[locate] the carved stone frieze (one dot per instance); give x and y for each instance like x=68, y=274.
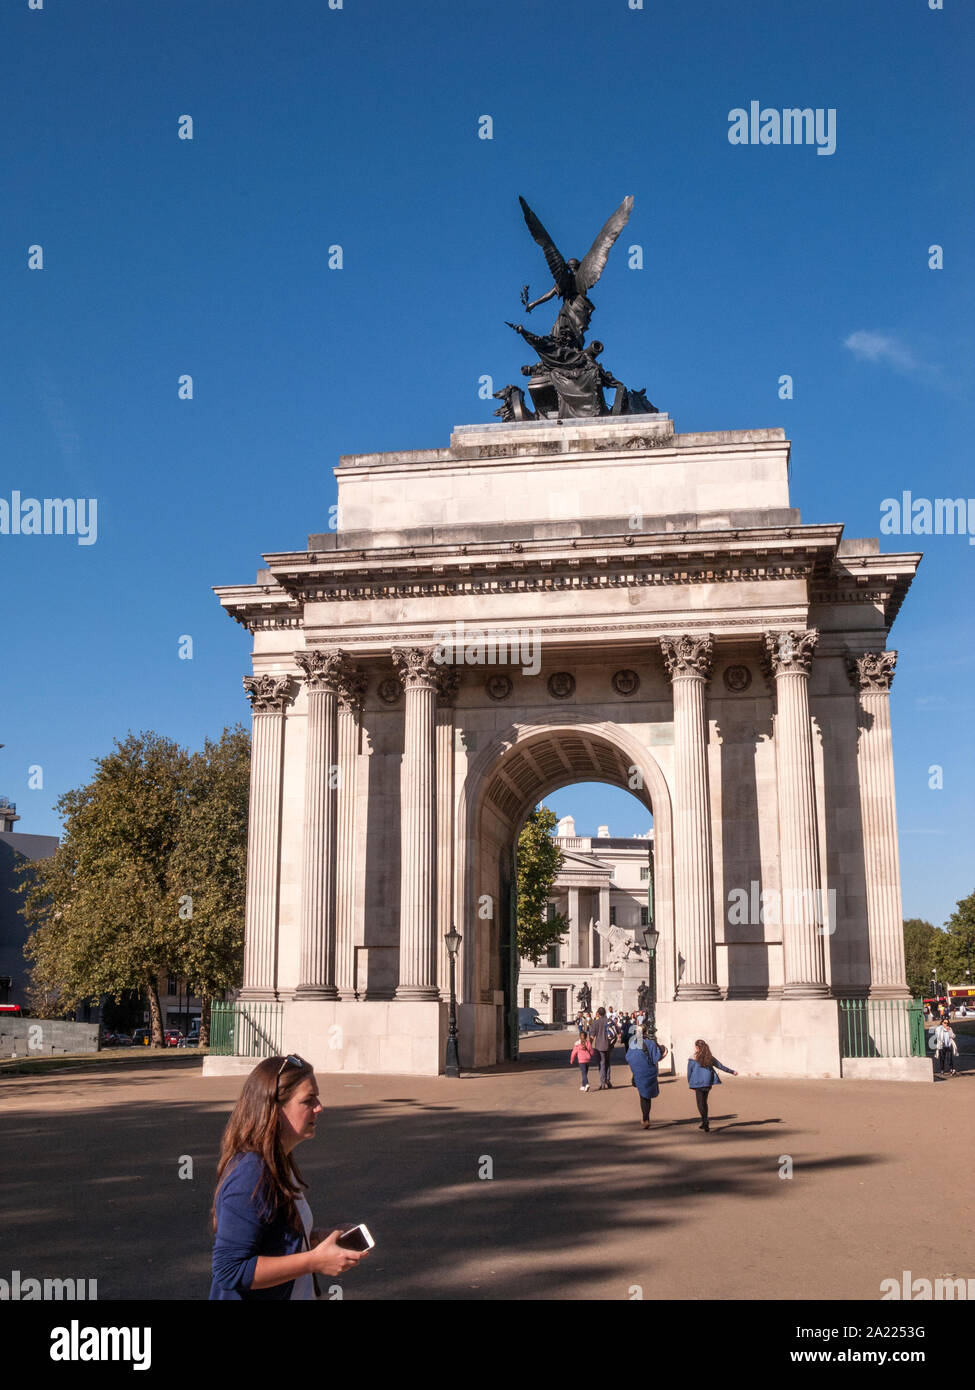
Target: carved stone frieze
x=626, y=682
x=270, y=694
x=872, y=670
x=543, y=583
x=561, y=684
x=390, y=690
x=498, y=686
x=688, y=655
x=737, y=679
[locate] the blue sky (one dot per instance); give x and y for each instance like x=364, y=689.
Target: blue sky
x=358, y=127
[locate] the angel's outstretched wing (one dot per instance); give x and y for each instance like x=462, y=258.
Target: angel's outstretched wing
x=594, y=264
x=561, y=273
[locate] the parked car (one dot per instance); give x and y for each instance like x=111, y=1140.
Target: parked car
x=192, y=1039
x=122, y=1040
x=141, y=1037
x=109, y=1038
x=171, y=1037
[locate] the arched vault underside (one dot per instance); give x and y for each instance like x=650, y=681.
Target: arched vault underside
x=516, y=771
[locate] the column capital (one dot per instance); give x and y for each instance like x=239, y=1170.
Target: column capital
x=417, y=668
x=448, y=680
x=324, y=668
x=352, y=684
x=270, y=694
x=688, y=655
x=872, y=670
x=791, y=652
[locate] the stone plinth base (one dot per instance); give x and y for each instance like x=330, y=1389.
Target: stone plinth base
x=756, y=1037
x=888, y=1068
x=384, y=1037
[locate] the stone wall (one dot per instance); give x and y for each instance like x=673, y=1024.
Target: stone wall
x=45, y=1037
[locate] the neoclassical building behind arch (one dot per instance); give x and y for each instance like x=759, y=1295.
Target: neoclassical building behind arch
x=629, y=605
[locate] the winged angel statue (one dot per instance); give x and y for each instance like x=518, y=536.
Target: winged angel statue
x=567, y=380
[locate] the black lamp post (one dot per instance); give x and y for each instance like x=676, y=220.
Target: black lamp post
x=452, y=939
x=650, y=940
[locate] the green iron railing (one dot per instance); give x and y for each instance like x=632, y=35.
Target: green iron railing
x=246, y=1030
x=882, y=1028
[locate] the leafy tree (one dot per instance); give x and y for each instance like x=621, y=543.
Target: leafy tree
x=103, y=904
x=208, y=872
x=954, y=950
x=148, y=879
x=919, y=946
x=539, y=860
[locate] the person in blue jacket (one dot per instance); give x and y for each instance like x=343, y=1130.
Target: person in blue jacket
x=701, y=1076
x=265, y=1246
x=644, y=1055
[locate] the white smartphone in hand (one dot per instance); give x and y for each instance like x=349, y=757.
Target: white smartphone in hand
x=358, y=1238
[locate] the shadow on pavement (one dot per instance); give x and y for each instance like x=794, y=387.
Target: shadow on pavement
x=98, y=1193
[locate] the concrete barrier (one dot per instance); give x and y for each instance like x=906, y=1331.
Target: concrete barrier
x=45, y=1037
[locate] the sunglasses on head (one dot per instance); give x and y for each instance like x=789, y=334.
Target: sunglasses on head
x=292, y=1060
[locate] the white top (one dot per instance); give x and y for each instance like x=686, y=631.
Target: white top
x=305, y=1286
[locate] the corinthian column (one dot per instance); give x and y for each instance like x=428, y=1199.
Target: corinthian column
x=872, y=675
x=352, y=688
x=789, y=657
x=316, y=950
x=448, y=683
x=269, y=697
x=688, y=660
x=418, y=828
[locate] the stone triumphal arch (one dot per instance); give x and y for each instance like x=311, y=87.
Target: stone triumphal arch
x=546, y=602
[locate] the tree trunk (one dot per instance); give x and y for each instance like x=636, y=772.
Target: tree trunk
x=205, y=1020
x=155, y=1013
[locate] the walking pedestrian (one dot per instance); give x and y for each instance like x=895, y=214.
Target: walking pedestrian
x=265, y=1246
x=644, y=1055
x=701, y=1076
x=602, y=1038
x=582, y=1054
x=946, y=1047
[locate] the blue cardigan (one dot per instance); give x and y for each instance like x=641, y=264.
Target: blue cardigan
x=244, y=1231
x=702, y=1078
x=644, y=1057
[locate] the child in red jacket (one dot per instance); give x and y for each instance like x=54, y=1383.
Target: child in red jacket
x=582, y=1053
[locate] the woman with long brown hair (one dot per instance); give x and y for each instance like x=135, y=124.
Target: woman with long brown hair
x=265, y=1247
x=702, y=1074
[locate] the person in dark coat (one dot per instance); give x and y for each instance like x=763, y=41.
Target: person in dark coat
x=644, y=1055
x=701, y=1076
x=602, y=1036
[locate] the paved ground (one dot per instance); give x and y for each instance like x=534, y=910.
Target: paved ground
x=583, y=1203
